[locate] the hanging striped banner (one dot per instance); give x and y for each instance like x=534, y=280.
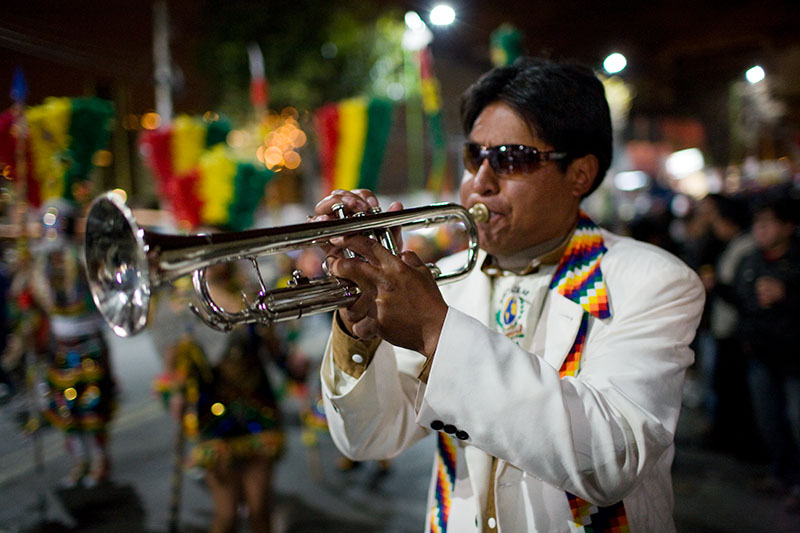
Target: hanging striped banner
x=199, y=179
x=352, y=137
x=63, y=136
x=432, y=106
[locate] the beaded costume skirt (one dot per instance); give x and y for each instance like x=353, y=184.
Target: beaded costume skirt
x=231, y=411
x=81, y=388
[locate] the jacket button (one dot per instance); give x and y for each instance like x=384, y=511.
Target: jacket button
x=462, y=435
x=449, y=429
x=437, y=425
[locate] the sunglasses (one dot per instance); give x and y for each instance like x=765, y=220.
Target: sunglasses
x=507, y=159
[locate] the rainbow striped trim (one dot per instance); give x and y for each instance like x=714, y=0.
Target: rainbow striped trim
x=445, y=480
x=587, y=517
x=592, y=519
x=578, y=276
x=573, y=361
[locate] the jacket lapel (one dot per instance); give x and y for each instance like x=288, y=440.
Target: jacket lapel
x=472, y=295
x=562, y=320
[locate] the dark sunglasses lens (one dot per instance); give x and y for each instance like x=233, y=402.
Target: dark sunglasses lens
x=513, y=159
x=506, y=159
x=472, y=157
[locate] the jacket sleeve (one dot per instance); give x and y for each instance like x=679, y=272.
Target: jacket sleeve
x=595, y=434
x=373, y=416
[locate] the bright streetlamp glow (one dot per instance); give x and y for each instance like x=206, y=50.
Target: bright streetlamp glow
x=442, y=15
x=414, y=22
x=417, y=35
x=755, y=74
x=615, y=63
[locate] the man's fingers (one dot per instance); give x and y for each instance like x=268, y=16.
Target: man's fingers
x=411, y=259
x=372, y=250
x=397, y=232
x=368, y=196
x=395, y=206
x=360, y=272
x=355, y=201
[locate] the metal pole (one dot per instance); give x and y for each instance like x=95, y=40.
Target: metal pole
x=161, y=61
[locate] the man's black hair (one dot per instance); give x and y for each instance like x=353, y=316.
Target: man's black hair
x=564, y=104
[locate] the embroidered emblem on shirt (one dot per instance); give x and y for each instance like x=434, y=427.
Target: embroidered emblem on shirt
x=511, y=311
x=509, y=316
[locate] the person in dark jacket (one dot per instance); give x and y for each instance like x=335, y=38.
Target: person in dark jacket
x=767, y=286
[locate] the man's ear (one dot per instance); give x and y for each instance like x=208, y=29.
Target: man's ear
x=582, y=172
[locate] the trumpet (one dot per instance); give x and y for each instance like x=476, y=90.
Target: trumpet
x=126, y=263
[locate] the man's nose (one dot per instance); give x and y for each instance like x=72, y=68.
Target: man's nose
x=486, y=181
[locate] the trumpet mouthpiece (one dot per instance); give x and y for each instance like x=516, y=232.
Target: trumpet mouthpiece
x=479, y=212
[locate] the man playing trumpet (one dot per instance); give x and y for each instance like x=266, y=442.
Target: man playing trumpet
x=551, y=375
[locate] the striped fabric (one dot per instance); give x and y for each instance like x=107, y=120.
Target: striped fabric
x=445, y=481
x=57, y=156
x=578, y=277
x=352, y=136
x=198, y=176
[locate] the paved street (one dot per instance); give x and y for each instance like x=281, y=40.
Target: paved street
x=713, y=492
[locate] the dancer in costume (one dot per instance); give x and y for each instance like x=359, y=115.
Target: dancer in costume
x=81, y=385
x=218, y=384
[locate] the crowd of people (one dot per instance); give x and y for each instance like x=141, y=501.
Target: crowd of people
x=746, y=251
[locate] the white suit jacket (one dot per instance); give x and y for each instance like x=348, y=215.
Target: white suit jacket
x=605, y=435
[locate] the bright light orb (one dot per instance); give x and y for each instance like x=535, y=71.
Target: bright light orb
x=631, y=180
x=442, y=15
x=414, y=22
x=684, y=162
x=755, y=74
x=615, y=63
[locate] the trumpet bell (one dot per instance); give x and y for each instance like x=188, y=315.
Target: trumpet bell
x=116, y=265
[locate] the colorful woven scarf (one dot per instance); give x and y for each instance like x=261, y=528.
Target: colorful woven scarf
x=578, y=277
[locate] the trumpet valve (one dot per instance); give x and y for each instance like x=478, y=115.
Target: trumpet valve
x=297, y=279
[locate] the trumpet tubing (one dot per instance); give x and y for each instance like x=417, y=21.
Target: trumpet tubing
x=126, y=263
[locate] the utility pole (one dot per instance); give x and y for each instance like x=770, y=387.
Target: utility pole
x=161, y=61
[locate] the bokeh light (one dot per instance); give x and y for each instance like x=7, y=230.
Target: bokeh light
x=442, y=15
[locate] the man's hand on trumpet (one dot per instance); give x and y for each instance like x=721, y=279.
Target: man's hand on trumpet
x=400, y=300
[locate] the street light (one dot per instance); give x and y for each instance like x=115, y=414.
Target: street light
x=417, y=35
x=615, y=63
x=755, y=74
x=442, y=15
